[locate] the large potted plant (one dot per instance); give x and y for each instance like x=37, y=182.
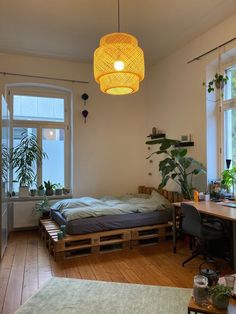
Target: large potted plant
x=176, y=165
x=25, y=158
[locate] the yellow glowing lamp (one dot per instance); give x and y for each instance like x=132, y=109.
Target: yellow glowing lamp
x=118, y=64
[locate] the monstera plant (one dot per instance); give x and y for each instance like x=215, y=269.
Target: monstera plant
x=176, y=165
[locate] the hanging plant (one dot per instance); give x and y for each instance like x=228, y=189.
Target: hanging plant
x=218, y=82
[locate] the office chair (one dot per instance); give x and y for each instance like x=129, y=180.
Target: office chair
x=193, y=225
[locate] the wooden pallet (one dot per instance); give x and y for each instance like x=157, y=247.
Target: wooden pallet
x=76, y=245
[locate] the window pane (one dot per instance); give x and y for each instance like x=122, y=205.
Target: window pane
x=230, y=87
x=17, y=136
x=53, y=145
x=38, y=108
x=230, y=136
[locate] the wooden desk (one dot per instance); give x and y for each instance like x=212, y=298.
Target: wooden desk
x=211, y=209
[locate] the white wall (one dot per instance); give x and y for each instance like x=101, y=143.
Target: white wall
x=108, y=151
x=176, y=97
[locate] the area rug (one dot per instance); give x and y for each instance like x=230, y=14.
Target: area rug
x=62, y=295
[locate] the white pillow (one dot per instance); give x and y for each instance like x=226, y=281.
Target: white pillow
x=161, y=201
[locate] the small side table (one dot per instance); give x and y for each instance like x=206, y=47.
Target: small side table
x=210, y=309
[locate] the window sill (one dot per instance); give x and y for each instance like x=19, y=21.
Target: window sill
x=37, y=198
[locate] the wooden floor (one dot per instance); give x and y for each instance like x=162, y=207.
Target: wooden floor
x=26, y=266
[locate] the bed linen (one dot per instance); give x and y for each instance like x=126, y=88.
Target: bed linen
x=88, y=215
x=88, y=207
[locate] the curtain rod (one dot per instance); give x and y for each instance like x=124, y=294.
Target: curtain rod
x=206, y=53
x=44, y=77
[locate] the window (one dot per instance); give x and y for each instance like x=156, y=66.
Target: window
x=45, y=114
x=229, y=117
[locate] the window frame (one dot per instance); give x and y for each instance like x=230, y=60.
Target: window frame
x=225, y=105
x=39, y=125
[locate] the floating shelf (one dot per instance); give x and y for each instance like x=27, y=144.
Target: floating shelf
x=184, y=144
x=160, y=135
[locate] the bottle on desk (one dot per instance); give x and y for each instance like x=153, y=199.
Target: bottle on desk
x=196, y=196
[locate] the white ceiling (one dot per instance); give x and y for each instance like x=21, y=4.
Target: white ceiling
x=71, y=29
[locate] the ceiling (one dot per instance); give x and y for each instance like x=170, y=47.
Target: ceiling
x=71, y=29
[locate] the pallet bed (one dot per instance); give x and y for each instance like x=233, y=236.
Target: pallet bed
x=92, y=243
x=77, y=245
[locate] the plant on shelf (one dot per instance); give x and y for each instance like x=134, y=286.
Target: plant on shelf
x=43, y=208
x=24, y=159
x=176, y=165
x=41, y=190
x=220, y=295
x=218, y=82
x=229, y=179
x=49, y=188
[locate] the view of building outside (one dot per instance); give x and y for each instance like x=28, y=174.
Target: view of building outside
x=230, y=118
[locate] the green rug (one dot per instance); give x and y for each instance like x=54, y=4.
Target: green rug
x=62, y=295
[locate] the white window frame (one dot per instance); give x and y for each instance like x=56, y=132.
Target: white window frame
x=225, y=105
x=39, y=125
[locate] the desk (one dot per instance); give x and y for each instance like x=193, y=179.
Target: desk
x=211, y=209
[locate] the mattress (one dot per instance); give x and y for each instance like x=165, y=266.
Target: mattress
x=112, y=222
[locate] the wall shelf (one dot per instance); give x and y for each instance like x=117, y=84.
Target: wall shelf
x=159, y=135
x=184, y=144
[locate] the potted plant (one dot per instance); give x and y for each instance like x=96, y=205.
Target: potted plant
x=49, y=188
x=229, y=179
x=33, y=192
x=43, y=208
x=40, y=190
x=24, y=159
x=177, y=166
x=58, y=189
x=220, y=295
x=218, y=82
x=66, y=190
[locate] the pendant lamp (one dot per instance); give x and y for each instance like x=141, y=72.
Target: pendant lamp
x=118, y=63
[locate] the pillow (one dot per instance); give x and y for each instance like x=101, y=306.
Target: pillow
x=161, y=201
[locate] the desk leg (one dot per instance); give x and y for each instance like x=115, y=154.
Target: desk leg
x=234, y=246
x=174, y=229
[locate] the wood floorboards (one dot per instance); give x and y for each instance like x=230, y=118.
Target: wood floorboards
x=27, y=265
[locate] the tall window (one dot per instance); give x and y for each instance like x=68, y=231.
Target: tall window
x=46, y=115
x=229, y=119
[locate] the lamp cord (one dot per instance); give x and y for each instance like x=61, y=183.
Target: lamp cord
x=118, y=14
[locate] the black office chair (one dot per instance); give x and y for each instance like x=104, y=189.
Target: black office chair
x=195, y=226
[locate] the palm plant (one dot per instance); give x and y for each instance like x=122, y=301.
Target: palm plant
x=25, y=157
x=176, y=166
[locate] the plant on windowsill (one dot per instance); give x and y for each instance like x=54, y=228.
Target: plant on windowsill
x=40, y=190
x=58, y=189
x=49, y=188
x=220, y=295
x=177, y=166
x=24, y=159
x=218, y=82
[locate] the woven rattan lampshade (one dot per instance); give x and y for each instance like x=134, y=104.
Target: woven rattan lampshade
x=118, y=64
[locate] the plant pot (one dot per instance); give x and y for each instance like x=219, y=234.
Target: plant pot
x=219, y=84
x=58, y=192
x=33, y=192
x=40, y=192
x=49, y=192
x=23, y=191
x=66, y=191
x=220, y=303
